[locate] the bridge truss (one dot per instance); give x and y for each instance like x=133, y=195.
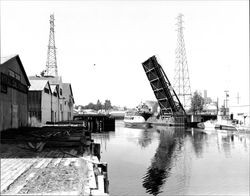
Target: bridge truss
x=169, y=102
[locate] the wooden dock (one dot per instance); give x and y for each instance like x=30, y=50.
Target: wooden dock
x=50, y=161
x=96, y=122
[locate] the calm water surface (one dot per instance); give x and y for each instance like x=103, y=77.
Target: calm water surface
x=172, y=161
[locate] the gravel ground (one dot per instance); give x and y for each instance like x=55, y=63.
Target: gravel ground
x=51, y=179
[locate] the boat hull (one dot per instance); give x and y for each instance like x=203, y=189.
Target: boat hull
x=206, y=125
x=170, y=121
x=136, y=125
x=225, y=127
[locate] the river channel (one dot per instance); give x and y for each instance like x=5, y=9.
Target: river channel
x=174, y=161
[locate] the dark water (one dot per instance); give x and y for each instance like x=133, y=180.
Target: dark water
x=172, y=161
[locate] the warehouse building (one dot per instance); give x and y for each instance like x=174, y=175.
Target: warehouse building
x=65, y=97
x=14, y=85
x=55, y=102
x=68, y=101
x=40, y=102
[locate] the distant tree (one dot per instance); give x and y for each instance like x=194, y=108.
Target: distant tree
x=89, y=106
x=155, y=107
x=43, y=73
x=208, y=100
x=98, y=105
x=197, y=103
x=107, y=105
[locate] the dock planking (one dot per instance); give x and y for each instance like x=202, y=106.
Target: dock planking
x=26, y=168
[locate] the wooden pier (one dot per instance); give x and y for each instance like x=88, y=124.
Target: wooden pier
x=51, y=160
x=96, y=122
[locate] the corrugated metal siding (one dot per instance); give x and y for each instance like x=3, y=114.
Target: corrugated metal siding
x=14, y=103
x=46, y=107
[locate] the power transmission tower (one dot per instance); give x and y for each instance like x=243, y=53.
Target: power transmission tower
x=181, y=79
x=51, y=64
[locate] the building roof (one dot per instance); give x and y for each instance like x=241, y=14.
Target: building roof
x=53, y=87
x=16, y=57
x=51, y=79
x=38, y=85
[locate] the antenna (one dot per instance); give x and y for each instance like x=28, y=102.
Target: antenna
x=51, y=64
x=181, y=79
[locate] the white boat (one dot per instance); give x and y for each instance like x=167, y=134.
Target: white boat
x=137, y=117
x=225, y=124
x=208, y=125
x=168, y=121
x=132, y=119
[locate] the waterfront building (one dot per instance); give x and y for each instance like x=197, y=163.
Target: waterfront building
x=14, y=85
x=240, y=112
x=40, y=102
x=55, y=103
x=68, y=101
x=210, y=108
x=65, y=96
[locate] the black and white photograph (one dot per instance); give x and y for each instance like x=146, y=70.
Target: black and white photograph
x=124, y=98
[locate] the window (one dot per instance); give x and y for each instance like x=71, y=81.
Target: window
x=60, y=91
x=14, y=75
x=9, y=81
x=4, y=88
x=55, y=94
x=17, y=76
x=46, y=90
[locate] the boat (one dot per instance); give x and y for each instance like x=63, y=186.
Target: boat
x=207, y=125
x=176, y=121
x=225, y=124
x=226, y=127
x=138, y=117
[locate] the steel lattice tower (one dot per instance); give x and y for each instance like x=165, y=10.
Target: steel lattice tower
x=181, y=79
x=51, y=64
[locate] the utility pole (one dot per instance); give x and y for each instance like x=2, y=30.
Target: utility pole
x=51, y=64
x=227, y=95
x=238, y=98
x=181, y=79
x=217, y=105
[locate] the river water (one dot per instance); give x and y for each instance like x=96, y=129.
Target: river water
x=174, y=161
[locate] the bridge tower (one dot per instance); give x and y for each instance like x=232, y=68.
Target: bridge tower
x=51, y=64
x=181, y=79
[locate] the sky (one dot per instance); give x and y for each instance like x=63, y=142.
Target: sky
x=117, y=36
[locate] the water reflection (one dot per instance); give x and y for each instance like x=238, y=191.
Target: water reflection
x=198, y=139
x=160, y=169
x=145, y=137
x=102, y=138
x=175, y=162
x=227, y=141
